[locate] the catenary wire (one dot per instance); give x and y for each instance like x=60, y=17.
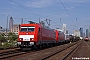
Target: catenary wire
x=67, y=13
x=26, y=8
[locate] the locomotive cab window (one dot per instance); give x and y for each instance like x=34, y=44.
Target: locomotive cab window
x=25, y=29
x=31, y=28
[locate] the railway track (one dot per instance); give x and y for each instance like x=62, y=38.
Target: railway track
x=81, y=52
x=4, y=54
x=88, y=43
x=49, y=56
x=10, y=53
x=75, y=48
x=40, y=54
x=35, y=54
x=14, y=52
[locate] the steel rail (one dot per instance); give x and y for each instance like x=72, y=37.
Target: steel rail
x=57, y=52
x=71, y=51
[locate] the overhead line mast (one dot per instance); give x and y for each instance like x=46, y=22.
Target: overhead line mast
x=47, y=21
x=7, y=24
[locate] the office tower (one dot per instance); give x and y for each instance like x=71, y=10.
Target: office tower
x=81, y=32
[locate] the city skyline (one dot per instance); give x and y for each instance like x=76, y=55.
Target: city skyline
x=74, y=13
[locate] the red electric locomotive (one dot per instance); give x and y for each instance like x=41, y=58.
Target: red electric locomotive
x=31, y=35
x=60, y=37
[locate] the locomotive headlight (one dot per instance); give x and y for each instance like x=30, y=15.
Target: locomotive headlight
x=20, y=38
x=31, y=38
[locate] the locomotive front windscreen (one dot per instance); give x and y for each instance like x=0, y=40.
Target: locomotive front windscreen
x=27, y=29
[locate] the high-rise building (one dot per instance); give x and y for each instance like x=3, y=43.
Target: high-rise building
x=64, y=28
x=81, y=32
x=77, y=33
x=11, y=23
x=87, y=32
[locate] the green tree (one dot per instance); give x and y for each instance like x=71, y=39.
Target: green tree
x=12, y=37
x=2, y=38
x=8, y=41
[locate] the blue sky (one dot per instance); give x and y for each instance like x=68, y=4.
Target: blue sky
x=51, y=9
